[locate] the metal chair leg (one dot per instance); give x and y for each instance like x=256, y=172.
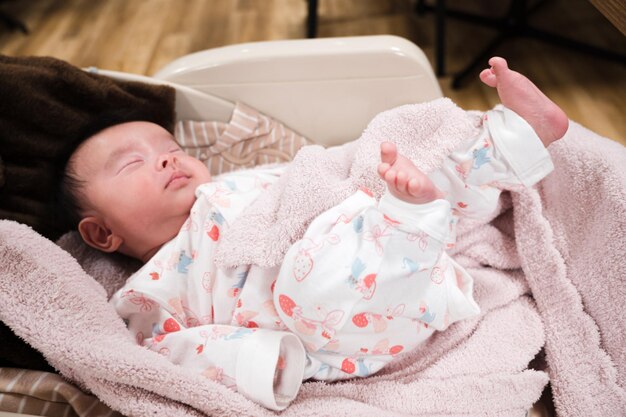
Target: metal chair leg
x=13, y=23
x=312, y=19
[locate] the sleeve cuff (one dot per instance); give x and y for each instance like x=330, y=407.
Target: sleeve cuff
x=433, y=218
x=259, y=361
x=520, y=146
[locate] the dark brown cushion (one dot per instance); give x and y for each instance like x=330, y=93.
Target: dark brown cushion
x=47, y=106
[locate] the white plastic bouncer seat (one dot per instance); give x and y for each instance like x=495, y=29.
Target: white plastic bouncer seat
x=325, y=89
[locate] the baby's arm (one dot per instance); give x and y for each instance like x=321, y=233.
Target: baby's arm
x=247, y=360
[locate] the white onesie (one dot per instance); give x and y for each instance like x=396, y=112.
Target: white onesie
x=368, y=281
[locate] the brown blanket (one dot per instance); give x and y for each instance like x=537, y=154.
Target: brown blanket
x=47, y=106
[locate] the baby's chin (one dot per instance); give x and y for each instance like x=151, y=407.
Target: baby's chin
x=183, y=202
x=186, y=194
x=171, y=227
x=174, y=214
x=189, y=201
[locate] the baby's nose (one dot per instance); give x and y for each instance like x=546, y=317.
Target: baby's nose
x=166, y=160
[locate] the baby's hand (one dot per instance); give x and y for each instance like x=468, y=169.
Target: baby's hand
x=403, y=179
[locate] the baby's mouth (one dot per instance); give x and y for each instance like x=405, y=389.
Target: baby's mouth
x=177, y=178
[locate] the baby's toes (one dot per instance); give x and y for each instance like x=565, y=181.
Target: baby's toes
x=488, y=77
x=498, y=65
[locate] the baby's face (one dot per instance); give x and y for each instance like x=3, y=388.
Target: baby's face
x=140, y=183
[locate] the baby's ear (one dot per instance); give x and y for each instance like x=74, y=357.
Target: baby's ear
x=95, y=233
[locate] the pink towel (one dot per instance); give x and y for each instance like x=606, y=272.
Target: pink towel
x=562, y=243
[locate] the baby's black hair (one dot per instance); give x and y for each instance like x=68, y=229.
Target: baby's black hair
x=70, y=197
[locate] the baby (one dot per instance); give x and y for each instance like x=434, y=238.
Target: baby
x=368, y=280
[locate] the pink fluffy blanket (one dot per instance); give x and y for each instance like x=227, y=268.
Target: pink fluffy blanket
x=549, y=272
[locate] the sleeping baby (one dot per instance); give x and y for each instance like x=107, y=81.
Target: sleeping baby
x=369, y=279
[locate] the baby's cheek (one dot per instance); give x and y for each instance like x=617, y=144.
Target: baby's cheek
x=142, y=199
x=203, y=173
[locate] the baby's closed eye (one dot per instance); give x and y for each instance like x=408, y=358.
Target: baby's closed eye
x=129, y=163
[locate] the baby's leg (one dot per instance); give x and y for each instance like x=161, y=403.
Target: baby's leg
x=519, y=94
x=509, y=151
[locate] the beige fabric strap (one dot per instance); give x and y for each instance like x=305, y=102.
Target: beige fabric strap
x=46, y=394
x=248, y=140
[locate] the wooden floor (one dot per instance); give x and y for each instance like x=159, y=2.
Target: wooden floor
x=143, y=35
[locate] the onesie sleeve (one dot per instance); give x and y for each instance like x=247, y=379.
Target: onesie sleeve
x=264, y=365
x=434, y=218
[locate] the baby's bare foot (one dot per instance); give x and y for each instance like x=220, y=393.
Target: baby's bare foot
x=404, y=180
x=519, y=94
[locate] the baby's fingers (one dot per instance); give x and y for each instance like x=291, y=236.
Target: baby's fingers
x=383, y=167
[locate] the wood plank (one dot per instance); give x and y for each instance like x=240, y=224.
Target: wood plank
x=614, y=10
